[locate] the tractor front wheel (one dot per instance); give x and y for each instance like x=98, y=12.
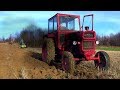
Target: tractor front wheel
x=48, y=50
x=104, y=63
x=68, y=63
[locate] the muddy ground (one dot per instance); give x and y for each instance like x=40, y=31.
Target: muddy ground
x=17, y=63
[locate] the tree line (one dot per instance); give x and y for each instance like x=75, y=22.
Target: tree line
x=33, y=37
x=110, y=40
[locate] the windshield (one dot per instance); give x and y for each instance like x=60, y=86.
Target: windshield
x=69, y=23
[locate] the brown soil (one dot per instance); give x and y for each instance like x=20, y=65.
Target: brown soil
x=18, y=63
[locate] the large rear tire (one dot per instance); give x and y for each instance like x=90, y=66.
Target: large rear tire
x=48, y=50
x=68, y=63
x=104, y=60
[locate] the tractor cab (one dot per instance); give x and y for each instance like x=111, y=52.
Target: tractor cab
x=61, y=25
x=69, y=22
x=63, y=22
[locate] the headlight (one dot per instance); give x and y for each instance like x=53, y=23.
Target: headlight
x=97, y=42
x=74, y=42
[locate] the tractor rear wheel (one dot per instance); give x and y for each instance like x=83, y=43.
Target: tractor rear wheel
x=104, y=60
x=68, y=64
x=48, y=50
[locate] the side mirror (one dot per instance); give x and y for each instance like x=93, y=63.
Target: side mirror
x=97, y=42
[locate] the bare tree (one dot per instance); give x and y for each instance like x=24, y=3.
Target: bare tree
x=32, y=35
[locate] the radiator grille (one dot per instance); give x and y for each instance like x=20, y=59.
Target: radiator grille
x=89, y=35
x=88, y=45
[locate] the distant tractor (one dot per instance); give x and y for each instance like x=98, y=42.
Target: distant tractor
x=68, y=43
x=22, y=44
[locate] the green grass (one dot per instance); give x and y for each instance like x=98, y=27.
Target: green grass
x=108, y=48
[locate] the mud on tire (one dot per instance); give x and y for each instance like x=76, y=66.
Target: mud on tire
x=68, y=64
x=48, y=50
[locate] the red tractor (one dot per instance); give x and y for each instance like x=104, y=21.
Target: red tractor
x=68, y=43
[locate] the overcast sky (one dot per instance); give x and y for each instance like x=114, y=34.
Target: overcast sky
x=105, y=22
